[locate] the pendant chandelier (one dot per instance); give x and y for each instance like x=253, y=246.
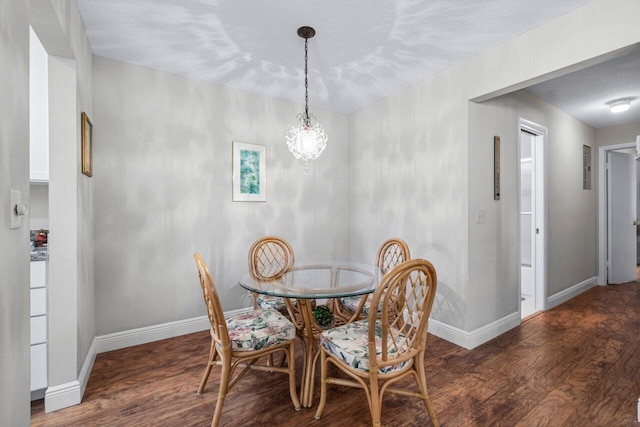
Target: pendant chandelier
x=307, y=139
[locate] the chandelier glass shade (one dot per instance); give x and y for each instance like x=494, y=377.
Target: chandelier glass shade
x=307, y=139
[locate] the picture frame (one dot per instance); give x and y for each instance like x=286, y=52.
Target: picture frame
x=87, y=145
x=249, y=172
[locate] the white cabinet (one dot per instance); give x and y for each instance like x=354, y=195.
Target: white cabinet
x=38, y=366
x=38, y=330
x=38, y=325
x=39, y=302
x=38, y=274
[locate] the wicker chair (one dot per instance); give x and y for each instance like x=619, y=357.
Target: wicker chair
x=391, y=253
x=377, y=352
x=269, y=258
x=241, y=340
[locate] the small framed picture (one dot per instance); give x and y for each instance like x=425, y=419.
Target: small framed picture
x=87, y=145
x=249, y=172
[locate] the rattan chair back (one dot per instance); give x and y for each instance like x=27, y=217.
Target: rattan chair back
x=270, y=257
x=406, y=295
x=219, y=331
x=391, y=253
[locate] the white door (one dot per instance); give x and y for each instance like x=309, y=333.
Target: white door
x=621, y=214
x=527, y=216
x=532, y=217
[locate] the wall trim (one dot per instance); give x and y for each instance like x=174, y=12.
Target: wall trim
x=479, y=336
x=69, y=394
x=62, y=396
x=575, y=290
x=119, y=340
x=87, y=366
x=138, y=336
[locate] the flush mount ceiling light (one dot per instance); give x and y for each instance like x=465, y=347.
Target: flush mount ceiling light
x=307, y=139
x=619, y=105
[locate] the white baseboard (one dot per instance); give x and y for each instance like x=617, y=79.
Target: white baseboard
x=69, y=394
x=87, y=366
x=571, y=292
x=473, y=339
x=65, y=395
x=138, y=336
x=62, y=396
x=470, y=340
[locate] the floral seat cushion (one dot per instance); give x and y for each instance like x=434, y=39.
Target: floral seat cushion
x=269, y=302
x=259, y=329
x=350, y=344
x=351, y=304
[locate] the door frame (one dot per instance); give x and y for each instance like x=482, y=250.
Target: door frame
x=602, y=207
x=540, y=160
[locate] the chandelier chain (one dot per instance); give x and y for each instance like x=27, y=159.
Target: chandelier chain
x=307, y=139
x=306, y=81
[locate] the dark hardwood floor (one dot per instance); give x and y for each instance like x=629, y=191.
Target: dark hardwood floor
x=575, y=365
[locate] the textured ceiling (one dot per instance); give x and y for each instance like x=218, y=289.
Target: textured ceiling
x=363, y=50
x=586, y=94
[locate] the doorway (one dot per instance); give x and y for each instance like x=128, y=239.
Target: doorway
x=531, y=191
x=58, y=125
x=618, y=214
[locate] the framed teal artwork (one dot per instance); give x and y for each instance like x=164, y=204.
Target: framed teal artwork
x=249, y=172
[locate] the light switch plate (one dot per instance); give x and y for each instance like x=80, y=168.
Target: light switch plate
x=14, y=200
x=482, y=216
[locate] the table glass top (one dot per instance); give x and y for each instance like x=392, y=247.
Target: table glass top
x=325, y=279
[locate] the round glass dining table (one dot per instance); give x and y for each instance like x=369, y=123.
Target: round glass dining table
x=301, y=286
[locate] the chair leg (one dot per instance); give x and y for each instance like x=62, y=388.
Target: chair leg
x=323, y=384
x=432, y=414
x=290, y=356
x=212, y=357
x=376, y=403
x=422, y=383
x=222, y=392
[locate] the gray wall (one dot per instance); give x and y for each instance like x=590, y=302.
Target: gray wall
x=14, y=244
x=163, y=172
x=571, y=211
x=617, y=134
x=408, y=179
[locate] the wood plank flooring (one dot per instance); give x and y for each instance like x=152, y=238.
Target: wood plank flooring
x=575, y=365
